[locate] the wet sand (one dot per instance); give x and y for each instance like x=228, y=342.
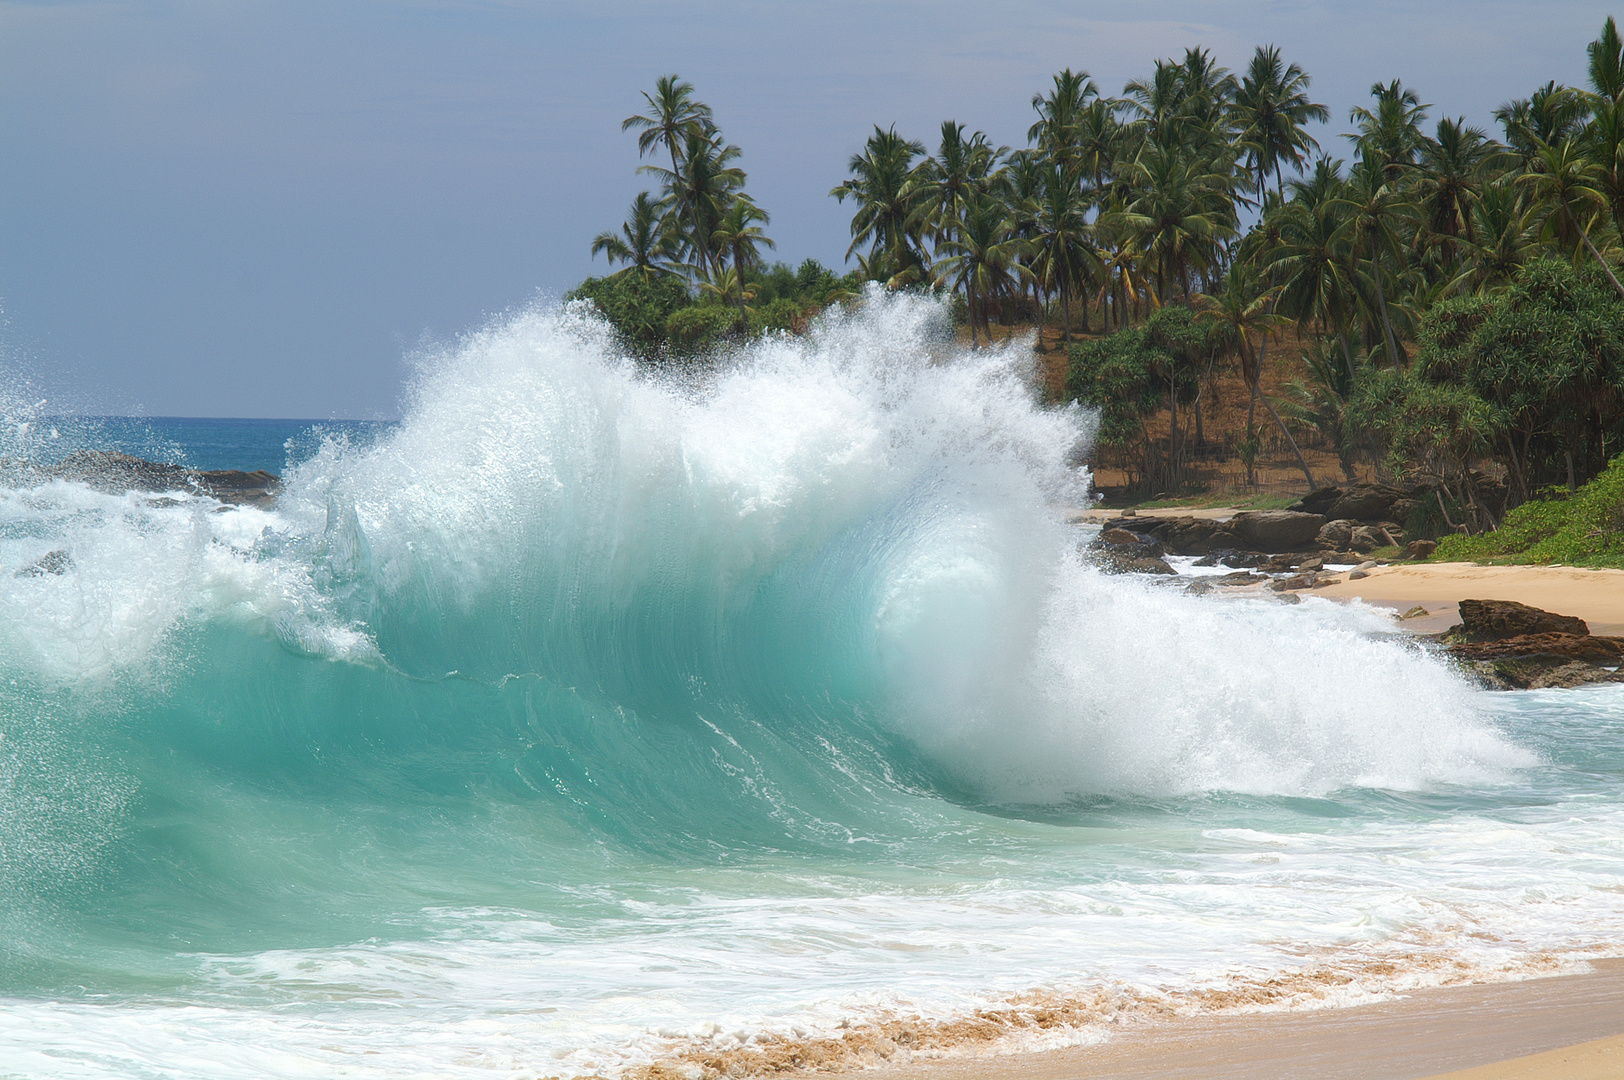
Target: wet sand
x=1596, y=596
x=1572, y=1024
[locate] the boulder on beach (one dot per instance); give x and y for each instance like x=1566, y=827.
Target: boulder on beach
x=1491, y=620
x=1512, y=646
x=1276, y=530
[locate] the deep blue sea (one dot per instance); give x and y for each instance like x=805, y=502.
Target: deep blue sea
x=588, y=719
x=197, y=442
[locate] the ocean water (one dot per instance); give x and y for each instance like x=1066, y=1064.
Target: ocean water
x=586, y=722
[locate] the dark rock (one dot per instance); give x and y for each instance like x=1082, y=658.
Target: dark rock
x=1111, y=560
x=1335, y=535
x=116, y=473
x=1366, y=502
x=1300, y=581
x=1276, y=530
x=1241, y=577
x=1608, y=651
x=1366, y=538
x=1543, y=671
x=1318, y=501
x=1311, y=565
x=1421, y=549
x=52, y=562
x=1235, y=560
x=1199, y=587
x=1182, y=535
x=1137, y=543
x=1488, y=620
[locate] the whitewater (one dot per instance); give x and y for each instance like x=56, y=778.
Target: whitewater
x=593, y=719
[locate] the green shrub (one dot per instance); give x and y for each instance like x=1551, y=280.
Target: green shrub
x=1582, y=529
x=700, y=327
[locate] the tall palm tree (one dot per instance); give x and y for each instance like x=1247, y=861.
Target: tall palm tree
x=963, y=167
x=1059, y=116
x=1607, y=63
x=1311, y=262
x=738, y=233
x=983, y=259
x=673, y=119
x=1451, y=170
x=885, y=187
x=1270, y=113
x=1180, y=208
x=699, y=191
x=1552, y=115
x=1374, y=208
x=1064, y=253
x=1390, y=134
x=644, y=244
x=1566, y=199
x=1245, y=307
x=1500, y=243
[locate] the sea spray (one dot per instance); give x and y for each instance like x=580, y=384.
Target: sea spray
x=591, y=712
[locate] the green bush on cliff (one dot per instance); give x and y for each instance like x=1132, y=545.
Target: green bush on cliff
x=1582, y=529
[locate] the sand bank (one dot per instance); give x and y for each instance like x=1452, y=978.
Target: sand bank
x=1600, y=1059
x=1596, y=596
x=1489, y=1029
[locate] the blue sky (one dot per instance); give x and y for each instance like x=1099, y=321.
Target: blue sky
x=262, y=208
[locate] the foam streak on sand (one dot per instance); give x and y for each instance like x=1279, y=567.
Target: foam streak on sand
x=590, y=720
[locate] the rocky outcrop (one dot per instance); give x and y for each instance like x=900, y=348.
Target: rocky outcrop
x=116, y=473
x=1361, y=502
x=1496, y=620
x=1180, y=535
x=1123, y=551
x=1512, y=646
x=1276, y=530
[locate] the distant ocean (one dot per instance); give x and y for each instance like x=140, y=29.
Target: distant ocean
x=587, y=719
x=198, y=442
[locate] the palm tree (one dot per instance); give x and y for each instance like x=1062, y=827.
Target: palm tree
x=1245, y=307
x=1451, y=171
x=1563, y=186
x=673, y=119
x=1552, y=115
x=1500, y=243
x=1060, y=114
x=644, y=244
x=983, y=259
x=1181, y=207
x=1607, y=63
x=962, y=168
x=1064, y=254
x=1311, y=262
x=699, y=191
x=739, y=235
x=885, y=188
x=1269, y=114
x=1390, y=134
x=1374, y=207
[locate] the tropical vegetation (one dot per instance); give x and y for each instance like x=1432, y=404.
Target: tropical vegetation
x=1419, y=298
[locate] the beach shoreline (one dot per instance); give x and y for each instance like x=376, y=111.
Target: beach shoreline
x=1594, y=595
x=1498, y=1030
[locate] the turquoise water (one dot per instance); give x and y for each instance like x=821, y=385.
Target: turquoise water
x=584, y=720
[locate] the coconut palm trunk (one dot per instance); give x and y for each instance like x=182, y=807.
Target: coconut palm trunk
x=1302, y=463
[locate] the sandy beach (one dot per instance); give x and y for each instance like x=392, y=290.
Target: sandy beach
x=1568, y=1027
x=1596, y=596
